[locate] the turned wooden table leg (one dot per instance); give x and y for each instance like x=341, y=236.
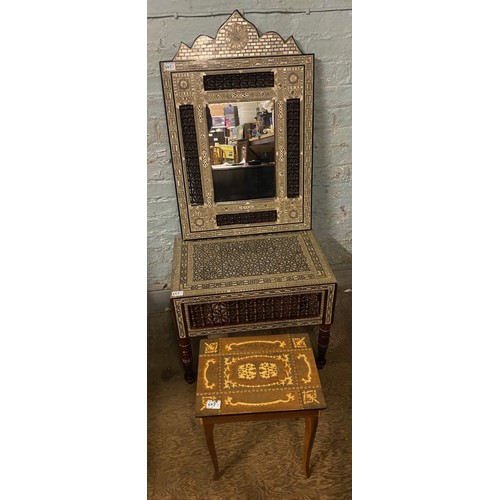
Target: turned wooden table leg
x=184, y=349
x=324, y=333
x=187, y=359
x=209, y=435
x=311, y=424
x=323, y=340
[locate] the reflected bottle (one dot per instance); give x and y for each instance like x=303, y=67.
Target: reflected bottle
x=216, y=155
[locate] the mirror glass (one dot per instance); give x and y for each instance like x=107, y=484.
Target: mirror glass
x=242, y=149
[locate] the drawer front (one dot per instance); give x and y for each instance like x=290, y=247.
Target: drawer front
x=243, y=314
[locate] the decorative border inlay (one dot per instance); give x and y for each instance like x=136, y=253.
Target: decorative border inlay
x=329, y=304
x=257, y=373
x=299, y=343
x=209, y=362
x=179, y=318
x=211, y=347
x=306, y=361
x=229, y=347
x=310, y=396
x=229, y=401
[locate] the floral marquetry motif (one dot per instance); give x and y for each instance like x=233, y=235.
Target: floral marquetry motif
x=262, y=373
x=299, y=342
x=257, y=370
x=268, y=370
x=247, y=371
x=211, y=347
x=310, y=397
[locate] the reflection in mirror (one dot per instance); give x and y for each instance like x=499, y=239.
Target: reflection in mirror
x=241, y=139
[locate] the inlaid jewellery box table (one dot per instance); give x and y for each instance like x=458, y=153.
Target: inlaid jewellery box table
x=258, y=378
x=249, y=283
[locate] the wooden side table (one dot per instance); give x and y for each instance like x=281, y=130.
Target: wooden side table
x=248, y=283
x=258, y=378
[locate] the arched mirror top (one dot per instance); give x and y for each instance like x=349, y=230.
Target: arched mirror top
x=237, y=37
x=239, y=112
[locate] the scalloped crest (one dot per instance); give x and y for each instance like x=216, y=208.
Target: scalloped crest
x=237, y=37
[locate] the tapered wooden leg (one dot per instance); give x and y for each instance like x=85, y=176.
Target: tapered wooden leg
x=311, y=424
x=209, y=435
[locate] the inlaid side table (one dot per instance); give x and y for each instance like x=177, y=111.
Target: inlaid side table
x=247, y=259
x=250, y=283
x=258, y=378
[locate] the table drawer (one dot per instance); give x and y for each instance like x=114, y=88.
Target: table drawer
x=247, y=311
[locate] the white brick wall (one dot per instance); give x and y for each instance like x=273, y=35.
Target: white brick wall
x=328, y=36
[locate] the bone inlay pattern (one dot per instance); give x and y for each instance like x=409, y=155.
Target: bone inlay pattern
x=236, y=38
x=241, y=65
x=213, y=266
x=230, y=259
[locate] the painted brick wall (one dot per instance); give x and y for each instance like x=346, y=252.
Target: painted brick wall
x=328, y=36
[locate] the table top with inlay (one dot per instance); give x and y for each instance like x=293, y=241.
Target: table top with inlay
x=244, y=263
x=257, y=374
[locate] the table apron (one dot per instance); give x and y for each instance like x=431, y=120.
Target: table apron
x=246, y=417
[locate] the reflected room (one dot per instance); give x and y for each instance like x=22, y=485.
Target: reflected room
x=242, y=150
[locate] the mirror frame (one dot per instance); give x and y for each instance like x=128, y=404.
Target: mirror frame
x=239, y=49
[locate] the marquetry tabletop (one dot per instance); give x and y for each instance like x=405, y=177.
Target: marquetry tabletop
x=245, y=263
x=255, y=374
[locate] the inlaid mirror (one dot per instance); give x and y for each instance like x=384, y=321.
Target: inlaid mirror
x=239, y=112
